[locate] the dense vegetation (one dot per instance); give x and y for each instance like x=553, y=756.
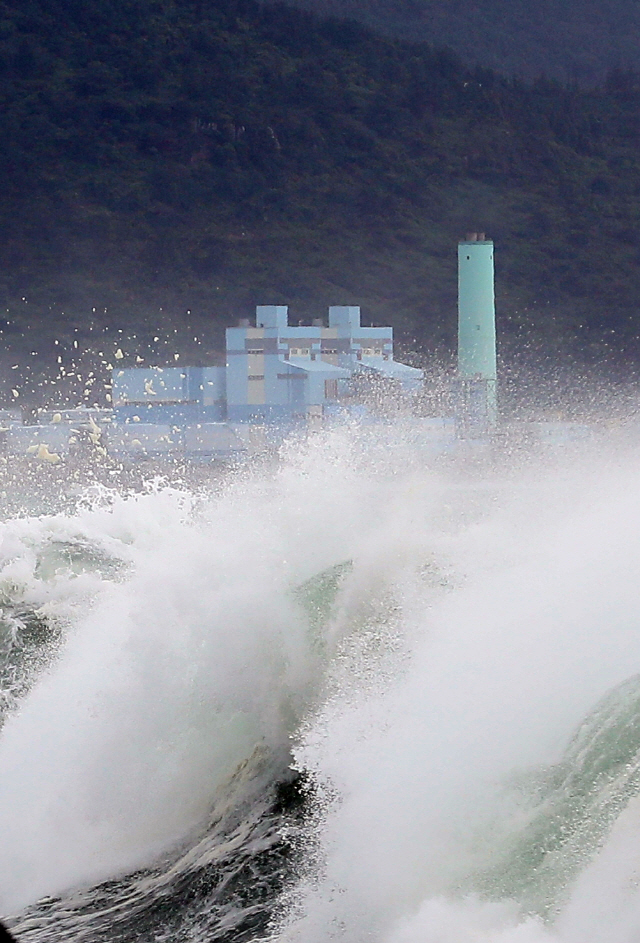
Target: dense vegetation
x=570, y=40
x=166, y=165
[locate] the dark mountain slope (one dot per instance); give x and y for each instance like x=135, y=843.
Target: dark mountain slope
x=167, y=165
x=578, y=41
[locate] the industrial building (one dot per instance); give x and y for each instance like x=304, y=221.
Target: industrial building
x=278, y=372
x=275, y=373
x=278, y=377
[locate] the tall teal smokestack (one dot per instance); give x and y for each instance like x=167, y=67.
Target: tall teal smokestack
x=477, y=373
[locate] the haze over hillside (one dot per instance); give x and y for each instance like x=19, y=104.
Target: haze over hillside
x=571, y=40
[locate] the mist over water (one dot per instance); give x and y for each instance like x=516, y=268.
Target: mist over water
x=422, y=639
x=540, y=620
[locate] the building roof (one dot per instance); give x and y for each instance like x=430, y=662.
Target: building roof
x=389, y=368
x=318, y=366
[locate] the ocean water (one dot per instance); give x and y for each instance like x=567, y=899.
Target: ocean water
x=356, y=694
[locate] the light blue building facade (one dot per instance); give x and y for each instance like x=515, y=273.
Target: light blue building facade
x=170, y=395
x=275, y=374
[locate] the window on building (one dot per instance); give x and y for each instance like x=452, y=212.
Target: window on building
x=330, y=389
x=299, y=351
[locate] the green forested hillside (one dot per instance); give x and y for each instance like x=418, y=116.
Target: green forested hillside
x=166, y=166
